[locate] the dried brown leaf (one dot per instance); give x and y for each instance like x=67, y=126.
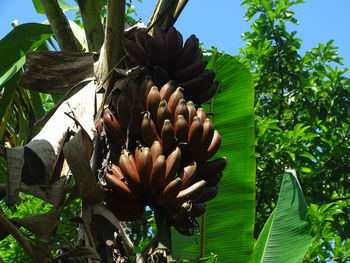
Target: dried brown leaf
x=42, y=250
x=56, y=72
x=45, y=148
x=15, y=159
x=33, y=171
x=78, y=152
x=53, y=194
x=42, y=225
x=17, y=234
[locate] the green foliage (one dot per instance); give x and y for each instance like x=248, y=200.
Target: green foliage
x=323, y=224
x=13, y=48
x=130, y=13
x=10, y=250
x=286, y=234
x=302, y=114
x=230, y=216
x=63, y=4
x=28, y=205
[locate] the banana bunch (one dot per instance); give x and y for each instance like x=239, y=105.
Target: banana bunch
x=166, y=57
x=161, y=145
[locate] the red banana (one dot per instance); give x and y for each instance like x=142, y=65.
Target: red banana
x=212, y=149
x=153, y=99
x=173, y=162
x=168, y=137
x=181, y=109
x=129, y=171
x=148, y=130
x=157, y=175
x=181, y=129
x=187, y=174
x=208, y=194
x=166, y=90
x=190, y=193
x=212, y=167
x=174, y=100
x=170, y=191
x=191, y=112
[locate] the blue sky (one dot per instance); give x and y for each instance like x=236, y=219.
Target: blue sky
x=220, y=23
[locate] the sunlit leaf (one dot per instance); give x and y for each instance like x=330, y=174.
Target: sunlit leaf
x=63, y=4
x=230, y=216
x=79, y=33
x=13, y=48
x=286, y=235
x=21, y=39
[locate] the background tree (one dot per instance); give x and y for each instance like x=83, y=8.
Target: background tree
x=302, y=121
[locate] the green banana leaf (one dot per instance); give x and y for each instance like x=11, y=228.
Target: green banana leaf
x=286, y=235
x=13, y=48
x=21, y=39
x=229, y=220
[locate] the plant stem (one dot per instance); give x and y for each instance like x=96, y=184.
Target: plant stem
x=60, y=26
x=163, y=227
x=90, y=14
x=180, y=6
x=114, y=31
x=112, y=51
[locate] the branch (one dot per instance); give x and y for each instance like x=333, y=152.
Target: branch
x=163, y=227
x=60, y=26
x=90, y=14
